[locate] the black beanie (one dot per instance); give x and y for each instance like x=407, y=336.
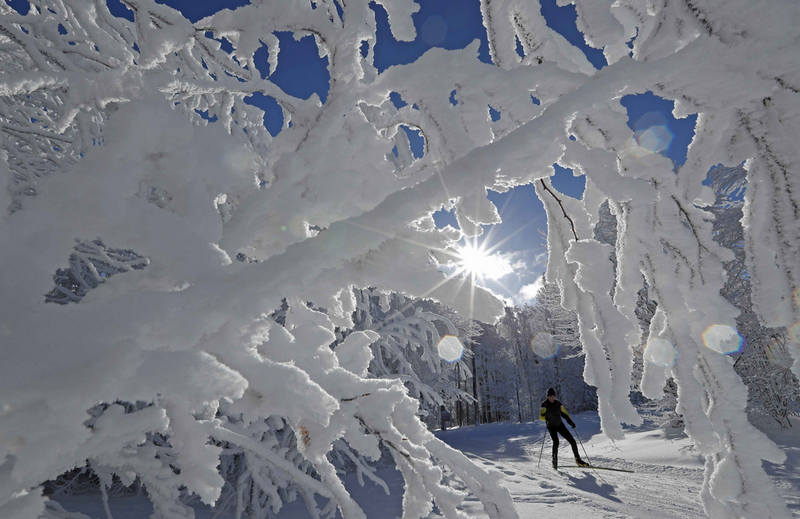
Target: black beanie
x=551, y=391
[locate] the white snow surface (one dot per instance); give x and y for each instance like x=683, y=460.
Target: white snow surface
x=667, y=478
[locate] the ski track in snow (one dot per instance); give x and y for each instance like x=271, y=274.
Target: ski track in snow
x=653, y=491
x=666, y=483
x=668, y=492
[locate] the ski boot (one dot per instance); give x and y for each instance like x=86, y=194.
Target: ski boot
x=579, y=462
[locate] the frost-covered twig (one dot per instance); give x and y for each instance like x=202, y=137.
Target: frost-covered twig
x=564, y=211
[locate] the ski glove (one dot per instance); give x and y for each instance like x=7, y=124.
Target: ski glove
x=572, y=424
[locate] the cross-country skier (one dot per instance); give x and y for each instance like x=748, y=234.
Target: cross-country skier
x=551, y=412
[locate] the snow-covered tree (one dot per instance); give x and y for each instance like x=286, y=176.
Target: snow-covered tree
x=462, y=373
x=663, y=233
x=545, y=348
x=103, y=139
x=557, y=340
x=497, y=376
x=419, y=348
x=104, y=143
x=764, y=363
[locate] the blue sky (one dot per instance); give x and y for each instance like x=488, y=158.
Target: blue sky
x=453, y=24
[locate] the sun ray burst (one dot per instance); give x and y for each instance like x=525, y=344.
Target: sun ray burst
x=479, y=263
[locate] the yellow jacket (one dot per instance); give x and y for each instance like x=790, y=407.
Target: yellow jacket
x=551, y=412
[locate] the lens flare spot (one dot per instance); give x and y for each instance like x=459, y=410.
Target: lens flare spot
x=722, y=338
x=642, y=155
x=651, y=136
x=794, y=332
x=545, y=345
x=652, y=133
x=434, y=30
x=655, y=138
x=450, y=348
x=660, y=352
x=796, y=295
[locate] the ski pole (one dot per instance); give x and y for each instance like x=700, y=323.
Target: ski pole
x=542, y=449
x=587, y=458
x=582, y=447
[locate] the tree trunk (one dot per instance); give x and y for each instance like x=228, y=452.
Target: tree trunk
x=458, y=402
x=519, y=382
x=475, y=389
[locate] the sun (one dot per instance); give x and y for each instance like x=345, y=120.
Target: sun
x=473, y=260
x=478, y=263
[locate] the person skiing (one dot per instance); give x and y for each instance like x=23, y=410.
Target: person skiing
x=551, y=412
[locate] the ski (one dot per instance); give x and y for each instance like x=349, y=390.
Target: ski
x=593, y=467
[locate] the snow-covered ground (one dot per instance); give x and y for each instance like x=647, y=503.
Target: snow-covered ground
x=668, y=477
x=666, y=482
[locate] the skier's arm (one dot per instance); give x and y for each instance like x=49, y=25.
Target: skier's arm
x=542, y=412
x=565, y=414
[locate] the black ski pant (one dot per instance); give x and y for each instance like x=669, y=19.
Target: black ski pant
x=562, y=429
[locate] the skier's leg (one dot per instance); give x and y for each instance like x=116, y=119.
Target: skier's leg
x=568, y=436
x=554, y=435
